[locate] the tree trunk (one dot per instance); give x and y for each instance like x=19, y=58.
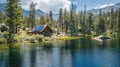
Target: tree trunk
x=11, y=32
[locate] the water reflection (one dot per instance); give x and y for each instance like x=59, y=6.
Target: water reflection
x=75, y=53
x=3, y=59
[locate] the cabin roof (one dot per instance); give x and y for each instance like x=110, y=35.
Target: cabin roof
x=39, y=28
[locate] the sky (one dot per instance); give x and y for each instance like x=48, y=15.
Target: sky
x=54, y=5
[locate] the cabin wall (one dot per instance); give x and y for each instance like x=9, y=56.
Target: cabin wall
x=47, y=33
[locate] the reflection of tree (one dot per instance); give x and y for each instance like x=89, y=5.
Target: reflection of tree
x=3, y=59
x=44, y=57
x=83, y=43
x=14, y=58
x=28, y=56
x=117, y=44
x=87, y=43
x=32, y=57
x=47, y=45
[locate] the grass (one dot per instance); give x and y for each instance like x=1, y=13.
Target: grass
x=2, y=40
x=3, y=47
x=66, y=38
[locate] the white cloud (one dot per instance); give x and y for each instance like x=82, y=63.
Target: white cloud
x=103, y=6
x=47, y=5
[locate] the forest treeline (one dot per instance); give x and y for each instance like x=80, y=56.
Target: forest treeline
x=68, y=22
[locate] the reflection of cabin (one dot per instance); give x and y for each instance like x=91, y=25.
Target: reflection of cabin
x=43, y=30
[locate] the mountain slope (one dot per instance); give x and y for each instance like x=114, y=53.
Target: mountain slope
x=38, y=13
x=25, y=12
x=105, y=8
x=2, y=5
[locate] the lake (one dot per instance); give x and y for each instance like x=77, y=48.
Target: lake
x=83, y=52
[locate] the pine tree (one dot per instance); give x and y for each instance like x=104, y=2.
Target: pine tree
x=32, y=16
x=61, y=20
x=42, y=20
x=25, y=22
x=73, y=22
x=112, y=20
x=100, y=25
x=84, y=22
x=90, y=22
x=13, y=14
x=119, y=21
x=102, y=22
x=81, y=21
x=1, y=17
x=47, y=19
x=116, y=21
x=66, y=21
x=108, y=21
x=51, y=19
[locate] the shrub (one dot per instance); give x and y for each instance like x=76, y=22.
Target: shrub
x=2, y=40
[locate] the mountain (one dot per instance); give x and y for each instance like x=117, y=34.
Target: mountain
x=38, y=13
x=2, y=5
x=105, y=8
x=26, y=12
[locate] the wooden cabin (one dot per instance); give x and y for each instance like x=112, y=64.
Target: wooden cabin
x=42, y=30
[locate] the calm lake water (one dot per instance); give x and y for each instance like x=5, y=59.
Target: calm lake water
x=83, y=52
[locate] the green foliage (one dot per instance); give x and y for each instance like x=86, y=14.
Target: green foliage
x=68, y=22
x=32, y=16
x=1, y=17
x=3, y=47
x=73, y=22
x=102, y=23
x=119, y=20
x=2, y=40
x=3, y=28
x=24, y=23
x=13, y=16
x=50, y=20
x=90, y=22
x=34, y=37
x=83, y=22
x=5, y=35
x=61, y=22
x=39, y=36
x=42, y=20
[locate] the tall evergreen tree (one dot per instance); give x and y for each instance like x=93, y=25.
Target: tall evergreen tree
x=102, y=21
x=47, y=19
x=84, y=23
x=61, y=20
x=73, y=26
x=13, y=14
x=66, y=21
x=81, y=21
x=32, y=16
x=25, y=22
x=116, y=21
x=42, y=20
x=51, y=19
x=90, y=22
x=119, y=20
x=112, y=20
x=1, y=17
